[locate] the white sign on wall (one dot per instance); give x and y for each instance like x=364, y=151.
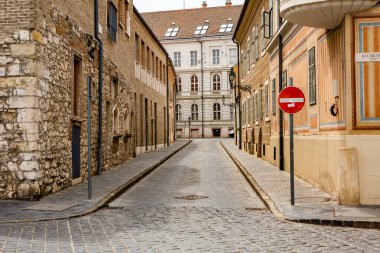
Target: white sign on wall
x=367, y=57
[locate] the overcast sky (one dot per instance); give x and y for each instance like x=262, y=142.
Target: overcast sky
x=161, y=5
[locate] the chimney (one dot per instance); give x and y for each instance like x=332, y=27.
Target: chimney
x=228, y=3
x=204, y=5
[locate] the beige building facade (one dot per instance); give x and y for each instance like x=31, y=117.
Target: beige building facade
x=335, y=64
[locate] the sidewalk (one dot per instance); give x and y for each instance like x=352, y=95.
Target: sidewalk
x=73, y=202
x=312, y=205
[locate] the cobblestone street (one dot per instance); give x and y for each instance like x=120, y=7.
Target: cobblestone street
x=153, y=217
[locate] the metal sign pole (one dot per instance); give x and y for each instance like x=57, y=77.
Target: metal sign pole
x=89, y=137
x=291, y=152
x=189, y=129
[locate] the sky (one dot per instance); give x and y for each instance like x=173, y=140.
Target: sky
x=161, y=5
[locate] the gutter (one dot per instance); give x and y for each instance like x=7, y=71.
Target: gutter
x=202, y=97
x=100, y=42
x=238, y=85
x=167, y=102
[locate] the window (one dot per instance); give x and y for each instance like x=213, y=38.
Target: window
x=193, y=58
x=217, y=115
x=243, y=114
x=76, y=85
x=194, y=83
x=215, y=56
x=248, y=110
x=254, y=108
x=177, y=59
x=127, y=19
x=112, y=21
x=137, y=48
x=143, y=56
x=274, y=97
x=216, y=82
x=257, y=106
x=233, y=56
x=172, y=32
x=178, y=112
x=257, y=42
x=260, y=103
x=266, y=95
x=127, y=123
x=114, y=88
x=201, y=30
x=232, y=113
x=312, y=78
x=226, y=28
x=284, y=79
x=253, y=45
x=194, y=112
x=115, y=121
x=179, y=84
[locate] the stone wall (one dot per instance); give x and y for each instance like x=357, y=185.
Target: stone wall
x=36, y=116
x=16, y=15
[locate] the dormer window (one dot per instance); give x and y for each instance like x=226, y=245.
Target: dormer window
x=172, y=32
x=226, y=28
x=201, y=29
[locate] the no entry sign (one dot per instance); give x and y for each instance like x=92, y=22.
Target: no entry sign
x=291, y=100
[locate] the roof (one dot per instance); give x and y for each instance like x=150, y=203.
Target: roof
x=189, y=19
x=243, y=12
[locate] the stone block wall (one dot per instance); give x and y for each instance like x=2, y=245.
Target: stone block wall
x=20, y=116
x=36, y=116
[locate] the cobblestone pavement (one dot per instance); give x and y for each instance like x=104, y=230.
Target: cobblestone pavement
x=157, y=222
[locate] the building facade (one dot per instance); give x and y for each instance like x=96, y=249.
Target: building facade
x=254, y=74
x=333, y=60
x=152, y=66
x=50, y=92
x=200, y=46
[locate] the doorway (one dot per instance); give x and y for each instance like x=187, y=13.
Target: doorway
x=75, y=152
x=216, y=132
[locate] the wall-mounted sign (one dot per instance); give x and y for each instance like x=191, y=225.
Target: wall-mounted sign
x=367, y=57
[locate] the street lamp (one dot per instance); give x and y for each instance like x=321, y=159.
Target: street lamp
x=232, y=78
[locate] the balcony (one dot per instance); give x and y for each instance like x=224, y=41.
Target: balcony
x=321, y=13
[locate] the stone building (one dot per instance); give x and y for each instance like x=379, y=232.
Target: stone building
x=48, y=60
x=200, y=46
x=330, y=50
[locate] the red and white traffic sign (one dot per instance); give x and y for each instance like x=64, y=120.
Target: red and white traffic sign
x=291, y=100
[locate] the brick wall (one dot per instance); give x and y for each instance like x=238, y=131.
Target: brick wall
x=16, y=15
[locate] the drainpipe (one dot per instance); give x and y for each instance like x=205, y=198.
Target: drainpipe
x=280, y=116
x=100, y=131
x=239, y=91
x=167, y=102
x=203, y=127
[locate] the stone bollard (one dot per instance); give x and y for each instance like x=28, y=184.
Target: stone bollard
x=348, y=177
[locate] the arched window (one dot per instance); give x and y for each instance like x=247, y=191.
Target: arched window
x=179, y=84
x=216, y=82
x=194, y=83
x=178, y=112
x=216, y=109
x=126, y=123
x=116, y=121
x=194, y=112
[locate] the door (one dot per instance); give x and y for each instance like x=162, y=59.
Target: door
x=76, y=151
x=216, y=132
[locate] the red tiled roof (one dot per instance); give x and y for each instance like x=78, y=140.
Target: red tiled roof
x=189, y=19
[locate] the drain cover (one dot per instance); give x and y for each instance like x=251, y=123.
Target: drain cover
x=191, y=197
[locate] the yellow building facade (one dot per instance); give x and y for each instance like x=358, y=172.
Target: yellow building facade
x=336, y=65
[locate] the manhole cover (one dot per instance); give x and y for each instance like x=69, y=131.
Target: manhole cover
x=191, y=197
